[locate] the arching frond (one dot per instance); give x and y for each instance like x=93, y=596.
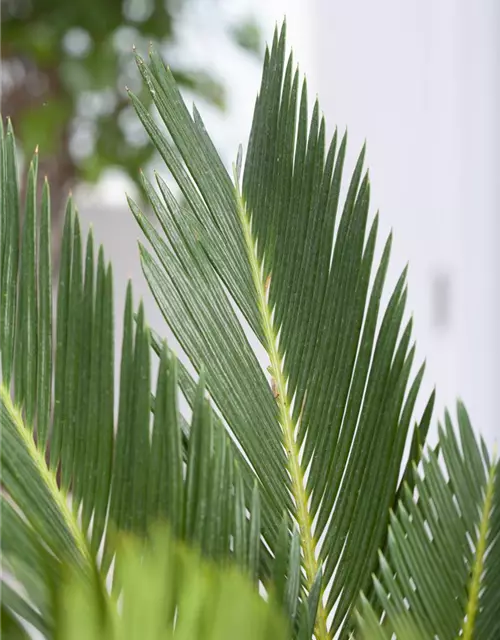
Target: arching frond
x=440, y=574
x=71, y=481
x=325, y=437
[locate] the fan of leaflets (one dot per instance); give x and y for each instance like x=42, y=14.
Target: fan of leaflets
x=75, y=475
x=274, y=253
x=440, y=574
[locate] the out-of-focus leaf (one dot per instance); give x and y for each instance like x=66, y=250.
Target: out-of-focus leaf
x=168, y=592
x=41, y=36
x=248, y=35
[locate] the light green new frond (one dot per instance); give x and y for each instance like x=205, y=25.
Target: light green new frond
x=168, y=592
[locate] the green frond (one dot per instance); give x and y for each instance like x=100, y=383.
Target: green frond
x=25, y=556
x=44, y=341
x=34, y=488
x=325, y=440
x=70, y=479
x=10, y=627
x=10, y=252
x=26, y=333
x=292, y=472
x=439, y=575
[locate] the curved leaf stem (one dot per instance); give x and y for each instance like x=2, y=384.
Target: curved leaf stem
x=47, y=477
x=287, y=424
x=481, y=547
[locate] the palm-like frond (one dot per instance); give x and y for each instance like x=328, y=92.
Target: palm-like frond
x=291, y=476
x=71, y=481
x=327, y=445
x=440, y=574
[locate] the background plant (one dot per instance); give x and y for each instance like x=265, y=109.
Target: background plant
x=65, y=69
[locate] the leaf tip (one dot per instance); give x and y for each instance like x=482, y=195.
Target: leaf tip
x=494, y=452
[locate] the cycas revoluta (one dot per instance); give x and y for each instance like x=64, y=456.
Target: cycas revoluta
x=297, y=473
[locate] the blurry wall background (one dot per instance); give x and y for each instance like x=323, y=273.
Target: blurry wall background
x=420, y=82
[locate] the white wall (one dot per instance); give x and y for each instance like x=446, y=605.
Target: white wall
x=419, y=80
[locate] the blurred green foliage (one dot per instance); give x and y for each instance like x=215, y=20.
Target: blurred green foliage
x=66, y=66
x=167, y=592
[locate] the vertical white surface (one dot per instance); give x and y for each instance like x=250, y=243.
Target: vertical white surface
x=419, y=80
x=479, y=115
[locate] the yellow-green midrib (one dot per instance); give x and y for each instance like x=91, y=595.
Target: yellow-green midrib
x=302, y=514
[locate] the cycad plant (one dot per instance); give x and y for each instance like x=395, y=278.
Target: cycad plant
x=307, y=473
